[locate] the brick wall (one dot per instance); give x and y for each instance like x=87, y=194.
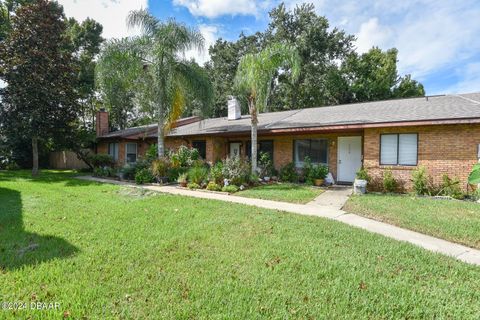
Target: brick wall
x=283, y=147
x=447, y=149
x=450, y=149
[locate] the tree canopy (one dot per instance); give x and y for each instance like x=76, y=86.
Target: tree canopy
x=331, y=71
x=168, y=78
x=40, y=101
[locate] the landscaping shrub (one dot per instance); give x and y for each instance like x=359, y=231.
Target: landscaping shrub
x=253, y=179
x=317, y=172
x=142, y=163
x=12, y=166
x=197, y=174
x=307, y=167
x=128, y=171
x=212, y=186
x=101, y=160
x=420, y=181
x=104, y=172
x=185, y=156
x=389, y=182
x=362, y=174
x=216, y=174
x=288, y=173
x=230, y=188
x=236, y=171
x=193, y=185
x=474, y=176
x=144, y=176
x=451, y=187
x=266, y=165
x=151, y=153
x=174, y=172
x=160, y=168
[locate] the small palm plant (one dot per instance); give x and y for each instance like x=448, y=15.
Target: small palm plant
x=254, y=78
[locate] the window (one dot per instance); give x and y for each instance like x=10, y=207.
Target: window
x=263, y=146
x=315, y=149
x=113, y=150
x=399, y=149
x=201, y=146
x=131, y=152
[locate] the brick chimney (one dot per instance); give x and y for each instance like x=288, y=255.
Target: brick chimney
x=102, y=122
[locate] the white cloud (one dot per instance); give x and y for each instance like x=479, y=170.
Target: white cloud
x=209, y=33
x=111, y=14
x=216, y=8
x=372, y=34
x=470, y=75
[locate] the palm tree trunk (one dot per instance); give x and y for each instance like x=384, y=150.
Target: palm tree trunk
x=35, y=156
x=161, y=133
x=253, y=114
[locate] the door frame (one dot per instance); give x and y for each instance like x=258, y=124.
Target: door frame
x=338, y=158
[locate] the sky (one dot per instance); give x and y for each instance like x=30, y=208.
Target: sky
x=438, y=40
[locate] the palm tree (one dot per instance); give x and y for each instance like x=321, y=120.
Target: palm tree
x=254, y=77
x=169, y=78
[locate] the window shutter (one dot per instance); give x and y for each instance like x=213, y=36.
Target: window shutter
x=388, y=146
x=407, y=149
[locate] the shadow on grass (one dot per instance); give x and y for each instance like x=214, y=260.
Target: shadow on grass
x=48, y=176
x=20, y=248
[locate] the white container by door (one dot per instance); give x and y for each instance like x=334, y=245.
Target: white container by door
x=349, y=158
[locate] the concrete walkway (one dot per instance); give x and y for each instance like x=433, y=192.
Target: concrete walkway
x=334, y=197
x=326, y=207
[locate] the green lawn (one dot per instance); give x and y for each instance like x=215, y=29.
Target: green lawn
x=286, y=192
x=106, y=252
x=457, y=221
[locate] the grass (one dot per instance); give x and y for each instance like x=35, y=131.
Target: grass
x=106, y=252
x=286, y=192
x=457, y=221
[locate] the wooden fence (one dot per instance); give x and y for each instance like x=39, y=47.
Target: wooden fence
x=65, y=160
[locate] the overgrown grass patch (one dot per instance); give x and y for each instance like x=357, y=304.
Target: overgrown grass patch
x=102, y=254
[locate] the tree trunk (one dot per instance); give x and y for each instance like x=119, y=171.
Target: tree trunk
x=253, y=114
x=35, y=156
x=161, y=133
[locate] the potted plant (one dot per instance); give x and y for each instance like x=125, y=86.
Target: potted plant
x=160, y=169
x=318, y=174
x=182, y=180
x=361, y=181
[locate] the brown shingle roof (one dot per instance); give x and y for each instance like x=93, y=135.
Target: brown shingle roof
x=379, y=113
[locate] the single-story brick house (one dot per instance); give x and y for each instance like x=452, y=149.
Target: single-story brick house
x=440, y=132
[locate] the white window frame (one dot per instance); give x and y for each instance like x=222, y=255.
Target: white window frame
x=127, y=153
x=397, y=163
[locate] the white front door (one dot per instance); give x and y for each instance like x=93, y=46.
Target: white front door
x=235, y=149
x=349, y=158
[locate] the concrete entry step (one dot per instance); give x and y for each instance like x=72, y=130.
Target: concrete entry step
x=334, y=197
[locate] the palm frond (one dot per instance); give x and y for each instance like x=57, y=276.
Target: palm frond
x=193, y=77
x=256, y=72
x=142, y=18
x=178, y=38
x=178, y=103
